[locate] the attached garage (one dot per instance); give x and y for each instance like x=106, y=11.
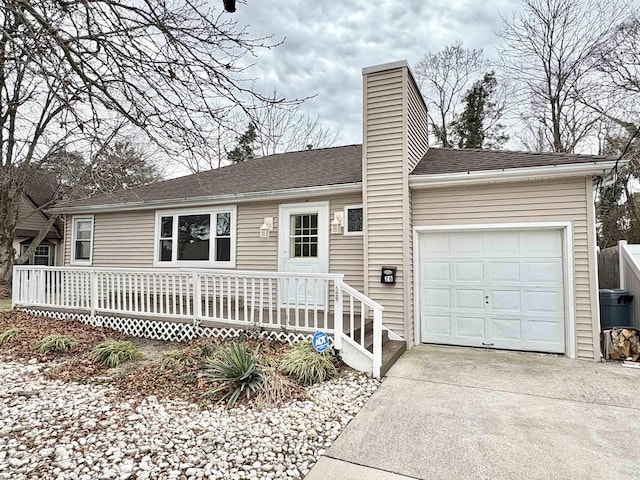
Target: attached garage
x=494, y=288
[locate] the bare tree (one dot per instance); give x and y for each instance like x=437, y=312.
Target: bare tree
x=443, y=77
x=69, y=70
x=548, y=51
x=281, y=130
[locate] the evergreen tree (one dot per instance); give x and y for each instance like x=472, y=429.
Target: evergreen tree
x=244, y=150
x=471, y=128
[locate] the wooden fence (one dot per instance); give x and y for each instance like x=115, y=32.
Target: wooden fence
x=609, y=268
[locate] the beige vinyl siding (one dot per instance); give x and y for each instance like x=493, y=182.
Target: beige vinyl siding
x=127, y=240
x=28, y=218
x=345, y=251
x=385, y=187
x=123, y=239
x=253, y=252
x=418, y=140
x=535, y=201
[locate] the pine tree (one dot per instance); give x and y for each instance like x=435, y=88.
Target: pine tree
x=244, y=150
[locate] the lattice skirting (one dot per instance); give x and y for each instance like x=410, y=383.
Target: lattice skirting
x=167, y=330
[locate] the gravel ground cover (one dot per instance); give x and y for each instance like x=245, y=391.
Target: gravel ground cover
x=53, y=428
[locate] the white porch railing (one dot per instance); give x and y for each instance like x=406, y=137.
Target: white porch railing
x=629, y=264
x=298, y=302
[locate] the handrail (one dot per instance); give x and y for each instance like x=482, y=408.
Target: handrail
x=299, y=301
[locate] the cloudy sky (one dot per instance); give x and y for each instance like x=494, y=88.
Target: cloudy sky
x=326, y=44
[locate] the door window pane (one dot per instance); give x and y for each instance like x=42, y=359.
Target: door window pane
x=193, y=237
x=304, y=238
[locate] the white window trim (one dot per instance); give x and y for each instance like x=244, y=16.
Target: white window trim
x=346, y=220
x=189, y=263
x=72, y=254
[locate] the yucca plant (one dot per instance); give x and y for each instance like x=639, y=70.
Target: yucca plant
x=56, y=343
x=237, y=372
x=306, y=365
x=114, y=352
x=9, y=335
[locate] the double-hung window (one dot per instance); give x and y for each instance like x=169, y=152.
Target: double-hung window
x=82, y=240
x=196, y=238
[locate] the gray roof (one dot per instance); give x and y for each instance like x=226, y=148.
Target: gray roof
x=448, y=160
x=320, y=167
x=284, y=171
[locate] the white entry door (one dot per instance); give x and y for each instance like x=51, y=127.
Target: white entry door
x=304, y=248
x=498, y=289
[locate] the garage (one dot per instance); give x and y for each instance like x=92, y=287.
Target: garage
x=495, y=288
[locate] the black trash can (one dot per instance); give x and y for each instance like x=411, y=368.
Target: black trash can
x=615, y=308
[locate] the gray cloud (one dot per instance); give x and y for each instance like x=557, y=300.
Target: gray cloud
x=327, y=44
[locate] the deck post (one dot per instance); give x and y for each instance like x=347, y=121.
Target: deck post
x=338, y=317
x=15, y=287
x=377, y=343
x=197, y=297
x=94, y=292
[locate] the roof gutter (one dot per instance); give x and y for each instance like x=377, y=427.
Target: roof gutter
x=212, y=199
x=512, y=174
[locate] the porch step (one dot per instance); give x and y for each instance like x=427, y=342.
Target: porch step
x=391, y=349
x=391, y=352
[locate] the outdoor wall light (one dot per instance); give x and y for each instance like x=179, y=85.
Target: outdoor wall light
x=266, y=227
x=338, y=222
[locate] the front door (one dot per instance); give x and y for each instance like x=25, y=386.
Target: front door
x=304, y=248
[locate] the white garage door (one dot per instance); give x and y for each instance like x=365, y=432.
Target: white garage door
x=498, y=289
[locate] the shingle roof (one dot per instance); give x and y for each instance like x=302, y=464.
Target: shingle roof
x=448, y=160
x=306, y=168
x=320, y=167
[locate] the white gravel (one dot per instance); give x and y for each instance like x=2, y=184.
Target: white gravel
x=56, y=430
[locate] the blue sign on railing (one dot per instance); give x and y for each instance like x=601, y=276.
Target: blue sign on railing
x=320, y=341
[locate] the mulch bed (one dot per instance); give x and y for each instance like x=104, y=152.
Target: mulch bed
x=177, y=375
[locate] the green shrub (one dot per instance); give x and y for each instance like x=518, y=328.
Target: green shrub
x=236, y=370
x=9, y=335
x=306, y=365
x=56, y=343
x=114, y=352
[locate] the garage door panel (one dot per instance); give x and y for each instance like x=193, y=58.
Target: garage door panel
x=471, y=328
x=502, y=329
x=438, y=326
x=543, y=243
x=501, y=244
x=436, y=297
x=503, y=289
x=504, y=301
x=469, y=299
x=547, y=332
x=543, y=272
x=437, y=244
x=433, y=271
x=466, y=245
x=544, y=302
x=469, y=271
x=502, y=271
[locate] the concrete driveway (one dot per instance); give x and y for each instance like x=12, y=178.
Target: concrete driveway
x=457, y=413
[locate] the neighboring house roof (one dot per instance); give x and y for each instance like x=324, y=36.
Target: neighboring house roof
x=448, y=160
x=328, y=167
x=284, y=171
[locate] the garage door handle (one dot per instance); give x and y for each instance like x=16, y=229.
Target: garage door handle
x=487, y=344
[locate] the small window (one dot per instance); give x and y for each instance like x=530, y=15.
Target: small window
x=42, y=255
x=353, y=220
x=196, y=237
x=82, y=240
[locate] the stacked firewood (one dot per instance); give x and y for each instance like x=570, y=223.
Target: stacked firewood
x=621, y=344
